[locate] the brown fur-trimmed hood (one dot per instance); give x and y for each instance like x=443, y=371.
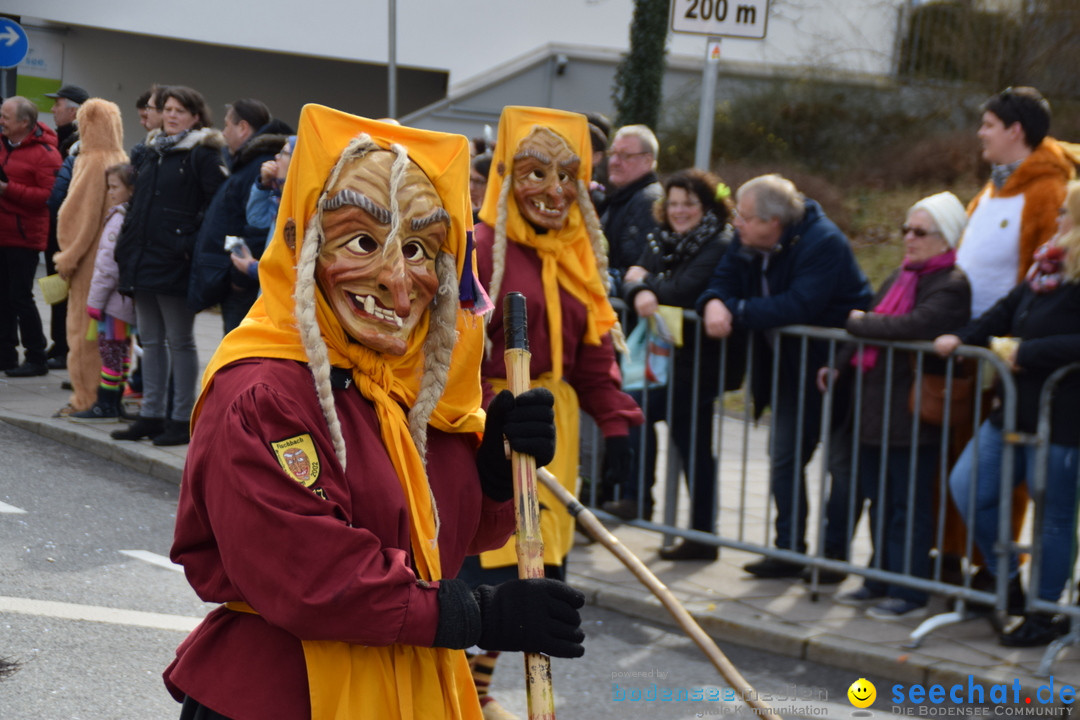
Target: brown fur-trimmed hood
x=265, y=144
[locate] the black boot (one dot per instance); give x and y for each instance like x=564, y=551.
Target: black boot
x=1036, y=629
x=106, y=409
x=143, y=427
x=176, y=433
x=1015, y=600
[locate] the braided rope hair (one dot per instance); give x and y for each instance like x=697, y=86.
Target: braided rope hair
x=599, y=244
x=498, y=246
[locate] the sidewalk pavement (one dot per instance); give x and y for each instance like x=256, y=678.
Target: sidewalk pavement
x=781, y=616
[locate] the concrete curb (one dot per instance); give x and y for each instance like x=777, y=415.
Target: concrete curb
x=141, y=457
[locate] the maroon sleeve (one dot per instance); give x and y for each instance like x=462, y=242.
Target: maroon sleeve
x=596, y=378
x=496, y=526
x=247, y=531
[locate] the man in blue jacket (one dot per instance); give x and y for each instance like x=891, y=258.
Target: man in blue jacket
x=253, y=137
x=788, y=265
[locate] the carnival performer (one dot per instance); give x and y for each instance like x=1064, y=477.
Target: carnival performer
x=336, y=476
x=539, y=235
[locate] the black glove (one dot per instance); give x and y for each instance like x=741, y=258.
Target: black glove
x=535, y=615
x=617, y=457
x=528, y=423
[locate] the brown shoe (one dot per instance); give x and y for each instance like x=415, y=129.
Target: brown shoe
x=690, y=550
x=627, y=509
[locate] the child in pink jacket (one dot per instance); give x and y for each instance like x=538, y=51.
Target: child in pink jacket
x=115, y=314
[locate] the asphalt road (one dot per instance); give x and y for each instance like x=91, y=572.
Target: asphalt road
x=91, y=609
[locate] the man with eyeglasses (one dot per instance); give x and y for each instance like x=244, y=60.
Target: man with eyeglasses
x=1016, y=211
x=634, y=188
x=789, y=264
x=252, y=137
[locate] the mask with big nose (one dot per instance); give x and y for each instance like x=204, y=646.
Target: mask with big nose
x=544, y=179
x=378, y=275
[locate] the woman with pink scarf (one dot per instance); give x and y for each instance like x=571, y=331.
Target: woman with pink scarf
x=928, y=296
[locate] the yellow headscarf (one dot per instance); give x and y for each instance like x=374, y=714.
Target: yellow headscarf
x=567, y=256
x=271, y=330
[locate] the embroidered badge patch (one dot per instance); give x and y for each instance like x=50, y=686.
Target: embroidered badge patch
x=298, y=458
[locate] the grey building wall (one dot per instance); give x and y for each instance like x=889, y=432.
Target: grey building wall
x=582, y=80
x=120, y=66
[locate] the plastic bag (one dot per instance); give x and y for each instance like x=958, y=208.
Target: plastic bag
x=648, y=359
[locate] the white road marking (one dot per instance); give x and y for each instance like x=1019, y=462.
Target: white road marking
x=94, y=613
x=154, y=559
x=5, y=508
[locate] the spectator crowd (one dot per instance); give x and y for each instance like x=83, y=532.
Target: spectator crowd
x=573, y=213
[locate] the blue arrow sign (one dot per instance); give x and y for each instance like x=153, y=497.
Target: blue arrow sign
x=13, y=43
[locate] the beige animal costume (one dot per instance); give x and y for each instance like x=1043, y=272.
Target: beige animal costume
x=101, y=145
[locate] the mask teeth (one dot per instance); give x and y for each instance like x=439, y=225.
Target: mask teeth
x=369, y=305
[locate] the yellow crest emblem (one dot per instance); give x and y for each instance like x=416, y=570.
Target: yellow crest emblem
x=298, y=458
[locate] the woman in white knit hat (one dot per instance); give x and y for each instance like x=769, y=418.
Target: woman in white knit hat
x=927, y=296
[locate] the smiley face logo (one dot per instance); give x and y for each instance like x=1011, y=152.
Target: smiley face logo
x=862, y=693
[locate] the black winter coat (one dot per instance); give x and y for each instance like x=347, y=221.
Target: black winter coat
x=1048, y=327
x=212, y=271
x=681, y=287
x=813, y=280
x=628, y=220
x=942, y=305
x=172, y=192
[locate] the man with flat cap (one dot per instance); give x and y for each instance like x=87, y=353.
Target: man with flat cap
x=66, y=102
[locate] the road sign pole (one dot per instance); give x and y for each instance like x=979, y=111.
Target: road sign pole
x=707, y=111
x=391, y=65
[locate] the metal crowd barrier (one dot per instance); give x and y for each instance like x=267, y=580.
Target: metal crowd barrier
x=1071, y=607
x=744, y=511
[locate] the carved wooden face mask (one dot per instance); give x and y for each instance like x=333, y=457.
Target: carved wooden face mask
x=545, y=179
x=379, y=286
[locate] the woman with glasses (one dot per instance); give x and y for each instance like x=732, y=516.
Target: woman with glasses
x=695, y=231
x=927, y=296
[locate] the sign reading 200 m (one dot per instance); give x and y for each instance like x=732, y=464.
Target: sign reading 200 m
x=724, y=18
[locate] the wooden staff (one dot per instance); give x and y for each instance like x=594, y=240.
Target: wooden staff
x=529, y=546
x=686, y=621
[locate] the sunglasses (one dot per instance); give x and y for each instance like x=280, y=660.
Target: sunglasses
x=917, y=231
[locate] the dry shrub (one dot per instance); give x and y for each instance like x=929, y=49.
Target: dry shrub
x=941, y=159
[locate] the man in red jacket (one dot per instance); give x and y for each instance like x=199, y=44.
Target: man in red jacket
x=29, y=161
